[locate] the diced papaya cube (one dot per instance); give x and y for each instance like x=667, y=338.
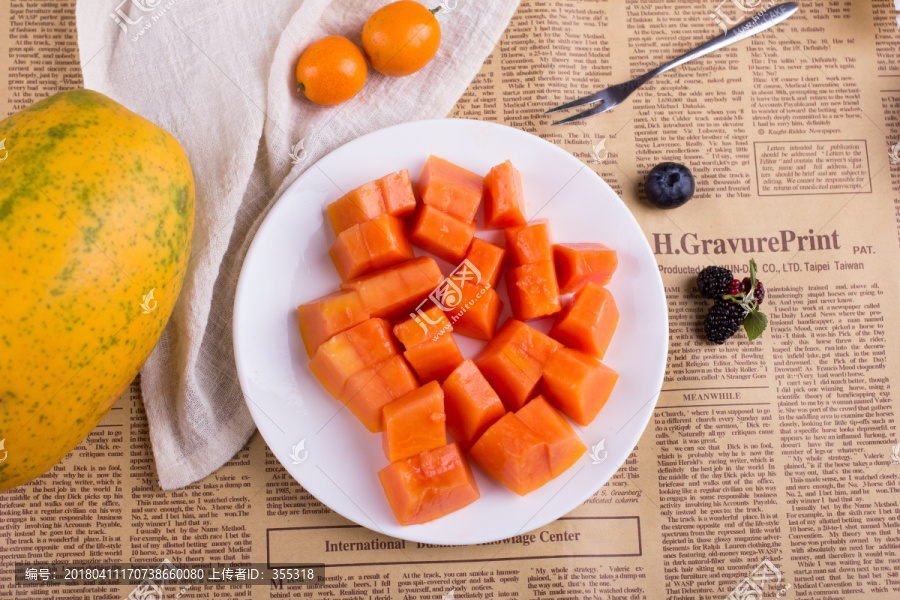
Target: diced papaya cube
x=373, y=341
x=441, y=234
x=434, y=360
x=588, y=322
x=504, y=202
x=533, y=291
x=397, y=290
x=397, y=190
x=535, y=344
x=358, y=206
x=325, y=317
x=513, y=455
x=429, y=485
x=529, y=243
x=371, y=245
x=477, y=313
x=576, y=264
x=578, y=384
x=386, y=241
x=365, y=394
x=450, y=188
x=471, y=404
x=488, y=259
x=398, y=377
x=414, y=423
x=511, y=372
x=421, y=326
x=334, y=362
x=513, y=361
x=430, y=350
x=563, y=445
x=349, y=253
x=368, y=391
x=365, y=345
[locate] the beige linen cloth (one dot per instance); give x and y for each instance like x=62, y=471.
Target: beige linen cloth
x=219, y=75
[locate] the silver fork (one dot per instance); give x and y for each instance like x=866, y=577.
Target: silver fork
x=615, y=95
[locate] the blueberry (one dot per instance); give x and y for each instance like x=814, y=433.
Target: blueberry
x=669, y=185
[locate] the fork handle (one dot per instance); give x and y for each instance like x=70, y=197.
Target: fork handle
x=758, y=22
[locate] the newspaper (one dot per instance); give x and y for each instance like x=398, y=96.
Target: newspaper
x=771, y=468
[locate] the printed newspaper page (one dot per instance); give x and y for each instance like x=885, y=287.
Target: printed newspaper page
x=767, y=471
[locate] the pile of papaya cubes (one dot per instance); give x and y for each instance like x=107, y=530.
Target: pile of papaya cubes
x=383, y=344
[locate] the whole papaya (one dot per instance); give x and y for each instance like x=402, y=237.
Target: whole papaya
x=96, y=217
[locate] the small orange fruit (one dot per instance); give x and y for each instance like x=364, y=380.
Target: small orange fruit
x=331, y=70
x=400, y=38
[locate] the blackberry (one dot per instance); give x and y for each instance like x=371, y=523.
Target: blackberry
x=746, y=283
x=723, y=320
x=714, y=282
x=736, y=287
x=760, y=292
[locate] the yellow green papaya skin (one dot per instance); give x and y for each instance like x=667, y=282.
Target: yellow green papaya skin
x=96, y=210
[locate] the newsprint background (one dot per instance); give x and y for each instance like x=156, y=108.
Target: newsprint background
x=777, y=450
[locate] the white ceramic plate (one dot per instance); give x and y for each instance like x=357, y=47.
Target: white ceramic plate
x=325, y=448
